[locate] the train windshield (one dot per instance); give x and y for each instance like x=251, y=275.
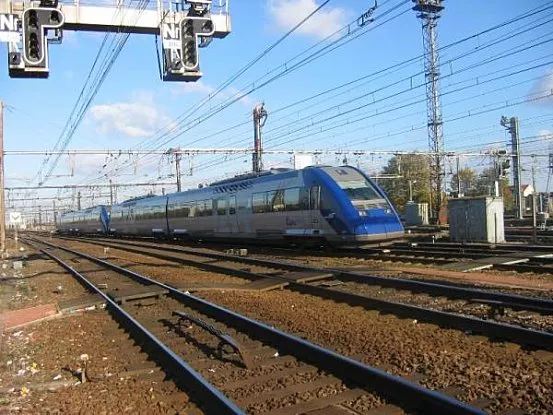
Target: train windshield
x=359, y=190
x=363, y=194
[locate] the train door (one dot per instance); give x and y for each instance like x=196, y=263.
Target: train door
x=314, y=209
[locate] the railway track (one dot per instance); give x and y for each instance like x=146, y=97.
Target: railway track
x=520, y=258
x=233, y=364
x=519, y=319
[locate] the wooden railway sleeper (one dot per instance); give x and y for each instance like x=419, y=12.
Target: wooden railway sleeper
x=226, y=339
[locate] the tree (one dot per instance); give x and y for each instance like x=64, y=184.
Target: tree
x=414, y=168
x=467, y=177
x=485, y=186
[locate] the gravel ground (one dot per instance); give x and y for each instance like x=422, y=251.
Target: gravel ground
x=49, y=353
x=522, y=318
x=504, y=281
x=27, y=360
x=179, y=276
x=507, y=375
x=187, y=346
x=173, y=273
x=39, y=281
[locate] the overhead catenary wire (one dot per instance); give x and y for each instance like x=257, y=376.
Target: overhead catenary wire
x=195, y=122
x=84, y=100
x=515, y=32
x=248, y=121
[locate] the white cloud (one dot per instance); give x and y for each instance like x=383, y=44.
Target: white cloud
x=545, y=135
x=542, y=87
x=287, y=13
x=138, y=117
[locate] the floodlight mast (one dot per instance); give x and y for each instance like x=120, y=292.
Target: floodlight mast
x=184, y=27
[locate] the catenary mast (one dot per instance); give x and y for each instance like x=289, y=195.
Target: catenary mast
x=429, y=13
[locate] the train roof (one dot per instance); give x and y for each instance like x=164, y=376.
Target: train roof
x=134, y=199
x=89, y=209
x=249, y=176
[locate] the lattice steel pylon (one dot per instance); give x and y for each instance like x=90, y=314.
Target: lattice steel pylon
x=429, y=13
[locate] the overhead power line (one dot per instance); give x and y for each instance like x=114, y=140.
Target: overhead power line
x=180, y=128
x=89, y=90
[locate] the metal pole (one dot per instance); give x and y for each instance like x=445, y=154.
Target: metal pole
x=259, y=114
x=78, y=200
x=534, y=219
x=110, y=192
x=177, y=168
x=458, y=180
x=512, y=126
x=55, y=212
x=2, y=208
x=517, y=166
x=429, y=13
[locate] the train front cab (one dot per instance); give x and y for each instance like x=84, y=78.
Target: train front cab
x=352, y=205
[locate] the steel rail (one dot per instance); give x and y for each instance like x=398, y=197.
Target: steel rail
x=477, y=245
x=509, y=332
x=209, y=396
x=508, y=300
x=399, y=389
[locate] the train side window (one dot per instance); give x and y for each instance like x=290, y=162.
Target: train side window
x=208, y=206
x=315, y=197
x=179, y=210
x=278, y=201
x=160, y=213
x=269, y=203
x=221, y=206
x=304, y=198
x=193, y=210
x=185, y=210
x=232, y=205
x=259, y=200
x=201, y=208
x=292, y=199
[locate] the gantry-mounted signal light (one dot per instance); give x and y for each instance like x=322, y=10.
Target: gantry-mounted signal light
x=28, y=31
x=181, y=61
x=182, y=40
x=32, y=60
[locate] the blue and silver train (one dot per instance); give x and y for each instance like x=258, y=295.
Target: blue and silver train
x=315, y=205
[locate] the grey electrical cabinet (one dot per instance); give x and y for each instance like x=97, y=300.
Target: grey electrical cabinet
x=476, y=219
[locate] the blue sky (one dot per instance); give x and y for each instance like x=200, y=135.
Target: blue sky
x=133, y=104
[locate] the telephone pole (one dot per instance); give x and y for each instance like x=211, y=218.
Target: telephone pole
x=429, y=13
x=259, y=119
x=2, y=207
x=511, y=124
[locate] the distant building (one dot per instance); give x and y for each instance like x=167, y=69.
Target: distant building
x=527, y=192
